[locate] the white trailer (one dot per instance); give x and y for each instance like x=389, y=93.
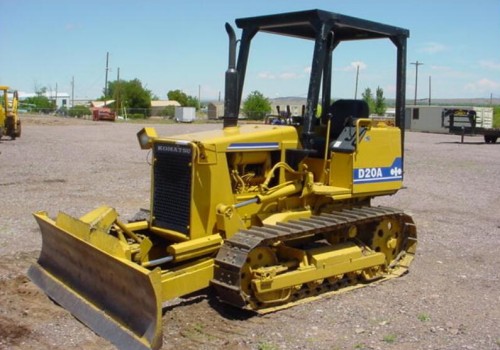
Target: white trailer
x=185, y=114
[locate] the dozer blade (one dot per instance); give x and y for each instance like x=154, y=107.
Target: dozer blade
x=116, y=298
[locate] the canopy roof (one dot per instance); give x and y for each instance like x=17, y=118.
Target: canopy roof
x=305, y=24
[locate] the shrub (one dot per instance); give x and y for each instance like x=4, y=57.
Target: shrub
x=136, y=116
x=79, y=111
x=168, y=112
x=496, y=117
x=256, y=106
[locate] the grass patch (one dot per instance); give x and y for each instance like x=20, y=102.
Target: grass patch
x=199, y=327
x=197, y=332
x=264, y=345
x=423, y=317
x=389, y=338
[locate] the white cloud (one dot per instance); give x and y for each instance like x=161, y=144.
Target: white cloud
x=279, y=76
x=266, y=76
x=489, y=64
x=353, y=66
x=432, y=47
x=483, y=86
x=441, y=68
x=356, y=64
x=288, y=75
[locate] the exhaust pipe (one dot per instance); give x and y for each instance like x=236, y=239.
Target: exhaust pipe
x=231, y=107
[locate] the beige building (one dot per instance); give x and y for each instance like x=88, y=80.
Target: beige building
x=215, y=110
x=158, y=106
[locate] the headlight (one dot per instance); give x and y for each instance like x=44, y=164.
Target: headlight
x=146, y=137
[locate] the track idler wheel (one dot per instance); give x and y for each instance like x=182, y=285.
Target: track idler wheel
x=396, y=238
x=262, y=264
x=386, y=239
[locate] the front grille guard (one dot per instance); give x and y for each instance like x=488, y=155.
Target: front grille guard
x=172, y=185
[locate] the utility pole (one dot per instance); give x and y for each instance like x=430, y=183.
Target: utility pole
x=73, y=91
x=199, y=96
x=118, y=92
x=356, y=89
x=106, y=79
x=56, y=96
x=416, y=78
x=429, y=90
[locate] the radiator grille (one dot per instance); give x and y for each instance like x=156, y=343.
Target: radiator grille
x=172, y=186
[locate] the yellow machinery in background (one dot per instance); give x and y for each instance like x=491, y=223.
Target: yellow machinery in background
x=10, y=124
x=268, y=215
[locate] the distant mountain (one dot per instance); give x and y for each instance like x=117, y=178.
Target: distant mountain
x=479, y=101
x=459, y=101
x=390, y=101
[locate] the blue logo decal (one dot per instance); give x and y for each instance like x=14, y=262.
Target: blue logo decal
x=379, y=174
x=253, y=146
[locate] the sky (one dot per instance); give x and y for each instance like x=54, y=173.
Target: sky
x=171, y=45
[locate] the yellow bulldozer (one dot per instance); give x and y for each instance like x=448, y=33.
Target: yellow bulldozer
x=268, y=215
x=10, y=124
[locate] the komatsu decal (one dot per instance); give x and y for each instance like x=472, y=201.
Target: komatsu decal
x=253, y=146
x=173, y=148
x=379, y=174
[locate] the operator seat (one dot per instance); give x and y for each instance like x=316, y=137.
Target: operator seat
x=344, y=113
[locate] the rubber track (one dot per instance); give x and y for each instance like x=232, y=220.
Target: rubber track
x=233, y=254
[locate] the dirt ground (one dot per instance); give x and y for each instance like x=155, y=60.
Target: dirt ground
x=449, y=300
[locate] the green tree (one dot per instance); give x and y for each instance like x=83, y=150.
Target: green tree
x=41, y=91
x=130, y=94
x=192, y=102
x=183, y=99
x=179, y=96
x=368, y=98
x=256, y=106
x=380, y=106
x=41, y=103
